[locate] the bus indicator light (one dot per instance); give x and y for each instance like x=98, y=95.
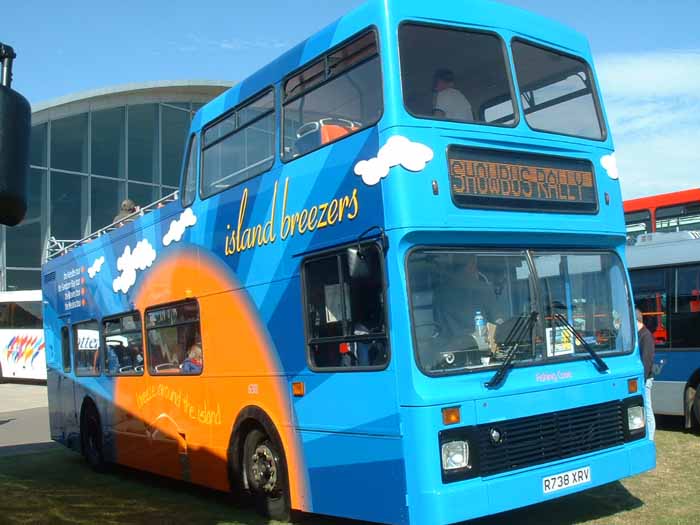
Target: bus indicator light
x=632, y=386
x=451, y=416
x=298, y=388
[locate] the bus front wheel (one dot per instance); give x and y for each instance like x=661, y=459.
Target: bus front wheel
x=91, y=437
x=265, y=471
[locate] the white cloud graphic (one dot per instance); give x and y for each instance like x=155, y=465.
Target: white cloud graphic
x=178, y=226
x=130, y=262
x=398, y=150
x=610, y=164
x=96, y=267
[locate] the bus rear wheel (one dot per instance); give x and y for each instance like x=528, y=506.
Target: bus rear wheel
x=695, y=410
x=91, y=438
x=265, y=471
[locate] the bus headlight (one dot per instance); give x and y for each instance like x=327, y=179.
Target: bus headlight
x=455, y=455
x=635, y=418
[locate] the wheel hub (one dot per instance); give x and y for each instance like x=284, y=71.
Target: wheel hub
x=263, y=467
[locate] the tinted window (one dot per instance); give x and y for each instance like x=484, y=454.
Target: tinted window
x=557, y=92
x=143, y=142
x=37, y=146
x=685, y=314
x=324, y=104
x=123, y=345
x=86, y=348
x=678, y=218
x=175, y=125
x=452, y=74
x=25, y=242
x=20, y=315
x=239, y=147
x=345, y=309
x=637, y=223
x=106, y=196
x=69, y=205
x=651, y=296
x=190, y=183
x=69, y=143
x=65, y=348
x=108, y=142
x=174, y=339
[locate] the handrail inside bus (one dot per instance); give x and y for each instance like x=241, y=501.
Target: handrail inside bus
x=58, y=247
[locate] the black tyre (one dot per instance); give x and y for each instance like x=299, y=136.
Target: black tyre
x=695, y=411
x=265, y=469
x=91, y=438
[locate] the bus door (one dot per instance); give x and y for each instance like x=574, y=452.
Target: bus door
x=349, y=402
x=61, y=386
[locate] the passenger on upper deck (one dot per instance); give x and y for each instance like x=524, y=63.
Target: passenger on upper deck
x=127, y=208
x=448, y=101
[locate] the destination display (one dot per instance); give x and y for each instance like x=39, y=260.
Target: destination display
x=519, y=181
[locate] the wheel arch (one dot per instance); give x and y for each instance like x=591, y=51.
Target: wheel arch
x=249, y=418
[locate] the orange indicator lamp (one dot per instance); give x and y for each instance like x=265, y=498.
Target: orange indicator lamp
x=298, y=388
x=632, y=385
x=451, y=416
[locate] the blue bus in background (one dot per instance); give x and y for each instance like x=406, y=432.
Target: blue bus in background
x=665, y=274
x=391, y=286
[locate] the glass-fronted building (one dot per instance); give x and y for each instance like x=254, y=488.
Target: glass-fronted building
x=88, y=153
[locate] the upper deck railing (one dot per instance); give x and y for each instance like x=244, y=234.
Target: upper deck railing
x=58, y=247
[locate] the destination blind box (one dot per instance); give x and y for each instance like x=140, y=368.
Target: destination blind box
x=520, y=181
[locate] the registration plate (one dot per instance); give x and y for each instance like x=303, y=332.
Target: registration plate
x=566, y=480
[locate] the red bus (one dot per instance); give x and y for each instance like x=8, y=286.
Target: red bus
x=667, y=212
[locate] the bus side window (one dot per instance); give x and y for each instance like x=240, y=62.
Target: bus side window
x=123, y=345
x=345, y=309
x=652, y=298
x=86, y=348
x=65, y=348
x=174, y=339
x=685, y=314
x=333, y=97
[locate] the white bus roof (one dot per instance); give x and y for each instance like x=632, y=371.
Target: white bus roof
x=664, y=249
x=23, y=296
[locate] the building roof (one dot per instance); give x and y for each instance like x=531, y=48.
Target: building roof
x=138, y=92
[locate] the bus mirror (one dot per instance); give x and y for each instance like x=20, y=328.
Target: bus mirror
x=15, y=126
x=358, y=263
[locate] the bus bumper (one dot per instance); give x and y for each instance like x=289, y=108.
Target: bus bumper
x=459, y=501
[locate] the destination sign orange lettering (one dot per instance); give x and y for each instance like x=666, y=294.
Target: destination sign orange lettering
x=486, y=183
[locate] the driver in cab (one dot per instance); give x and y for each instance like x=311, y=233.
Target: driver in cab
x=463, y=294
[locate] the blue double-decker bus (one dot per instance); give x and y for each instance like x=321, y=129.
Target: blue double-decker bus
x=391, y=286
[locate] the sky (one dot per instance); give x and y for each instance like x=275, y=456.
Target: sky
x=646, y=52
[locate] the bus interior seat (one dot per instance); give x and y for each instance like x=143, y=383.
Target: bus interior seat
x=315, y=134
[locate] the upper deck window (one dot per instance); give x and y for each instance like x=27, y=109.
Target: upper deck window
x=239, y=146
x=557, y=92
x=457, y=75
x=637, y=223
x=335, y=96
x=685, y=217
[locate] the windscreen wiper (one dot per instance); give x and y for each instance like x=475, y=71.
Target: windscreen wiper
x=522, y=326
x=599, y=363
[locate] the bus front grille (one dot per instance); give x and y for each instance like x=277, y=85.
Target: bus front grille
x=549, y=437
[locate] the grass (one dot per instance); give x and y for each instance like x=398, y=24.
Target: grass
x=57, y=487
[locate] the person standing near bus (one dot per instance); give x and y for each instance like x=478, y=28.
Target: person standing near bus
x=646, y=346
